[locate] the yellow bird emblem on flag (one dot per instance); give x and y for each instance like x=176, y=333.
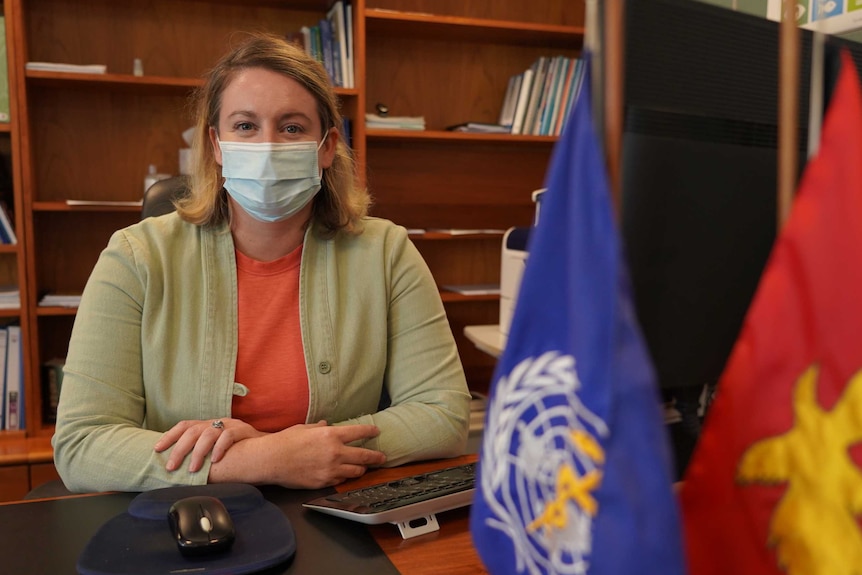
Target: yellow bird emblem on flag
x=814, y=528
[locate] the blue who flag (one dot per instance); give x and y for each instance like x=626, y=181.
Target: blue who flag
x=575, y=467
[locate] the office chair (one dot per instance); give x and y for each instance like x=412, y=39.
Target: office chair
x=158, y=199
x=49, y=489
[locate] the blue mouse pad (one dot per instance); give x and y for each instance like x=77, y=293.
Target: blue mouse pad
x=139, y=541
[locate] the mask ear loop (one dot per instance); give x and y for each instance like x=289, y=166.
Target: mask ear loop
x=326, y=135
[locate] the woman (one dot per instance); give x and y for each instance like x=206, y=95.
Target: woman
x=267, y=331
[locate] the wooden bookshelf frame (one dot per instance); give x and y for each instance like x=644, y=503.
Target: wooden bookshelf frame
x=91, y=136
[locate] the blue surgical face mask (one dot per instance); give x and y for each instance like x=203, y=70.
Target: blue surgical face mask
x=271, y=181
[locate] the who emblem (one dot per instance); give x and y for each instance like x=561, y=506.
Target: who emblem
x=541, y=463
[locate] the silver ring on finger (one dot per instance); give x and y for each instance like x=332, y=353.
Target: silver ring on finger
x=218, y=424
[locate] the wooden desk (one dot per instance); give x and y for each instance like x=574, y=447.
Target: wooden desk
x=43, y=537
x=422, y=555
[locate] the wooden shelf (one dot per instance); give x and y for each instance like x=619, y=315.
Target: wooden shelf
x=137, y=84
x=49, y=310
x=127, y=82
x=16, y=448
x=111, y=81
x=452, y=297
x=449, y=137
x=64, y=207
x=442, y=236
x=5, y=128
x=452, y=28
x=9, y=248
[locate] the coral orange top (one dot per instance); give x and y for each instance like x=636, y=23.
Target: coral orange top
x=270, y=362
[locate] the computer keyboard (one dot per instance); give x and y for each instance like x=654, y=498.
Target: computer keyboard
x=405, y=499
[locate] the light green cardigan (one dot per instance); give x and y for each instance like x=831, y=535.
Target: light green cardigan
x=155, y=342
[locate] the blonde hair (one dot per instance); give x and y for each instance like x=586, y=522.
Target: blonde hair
x=341, y=203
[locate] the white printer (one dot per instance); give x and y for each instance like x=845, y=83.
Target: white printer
x=512, y=263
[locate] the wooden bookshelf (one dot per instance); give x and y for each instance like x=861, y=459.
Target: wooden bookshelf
x=92, y=136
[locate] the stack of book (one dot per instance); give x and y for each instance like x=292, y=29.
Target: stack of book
x=330, y=41
x=60, y=300
x=539, y=99
x=10, y=297
x=375, y=121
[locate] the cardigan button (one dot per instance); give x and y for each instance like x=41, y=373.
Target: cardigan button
x=324, y=367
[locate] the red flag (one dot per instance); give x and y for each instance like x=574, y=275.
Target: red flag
x=775, y=484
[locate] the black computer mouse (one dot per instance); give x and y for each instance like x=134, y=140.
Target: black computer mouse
x=201, y=525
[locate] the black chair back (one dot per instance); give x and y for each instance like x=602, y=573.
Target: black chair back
x=159, y=198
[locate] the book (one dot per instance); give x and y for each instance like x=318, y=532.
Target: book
x=316, y=44
x=52, y=383
x=535, y=94
x=348, y=29
x=549, y=121
x=513, y=103
x=4, y=343
x=305, y=31
x=507, y=110
x=7, y=232
x=545, y=103
x=14, y=381
x=568, y=87
x=523, y=96
x=346, y=132
x=577, y=81
x=339, y=35
x=326, y=45
x=4, y=73
x=479, y=127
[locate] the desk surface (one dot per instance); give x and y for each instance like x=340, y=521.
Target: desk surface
x=46, y=536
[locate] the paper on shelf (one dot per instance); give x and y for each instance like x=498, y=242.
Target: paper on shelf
x=61, y=67
x=395, y=122
x=135, y=203
x=465, y=231
x=474, y=289
x=60, y=300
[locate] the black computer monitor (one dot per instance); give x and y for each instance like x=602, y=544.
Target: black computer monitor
x=699, y=176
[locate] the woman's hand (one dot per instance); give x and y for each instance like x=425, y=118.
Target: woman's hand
x=307, y=456
x=200, y=438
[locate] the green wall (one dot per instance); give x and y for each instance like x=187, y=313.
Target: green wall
x=758, y=8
